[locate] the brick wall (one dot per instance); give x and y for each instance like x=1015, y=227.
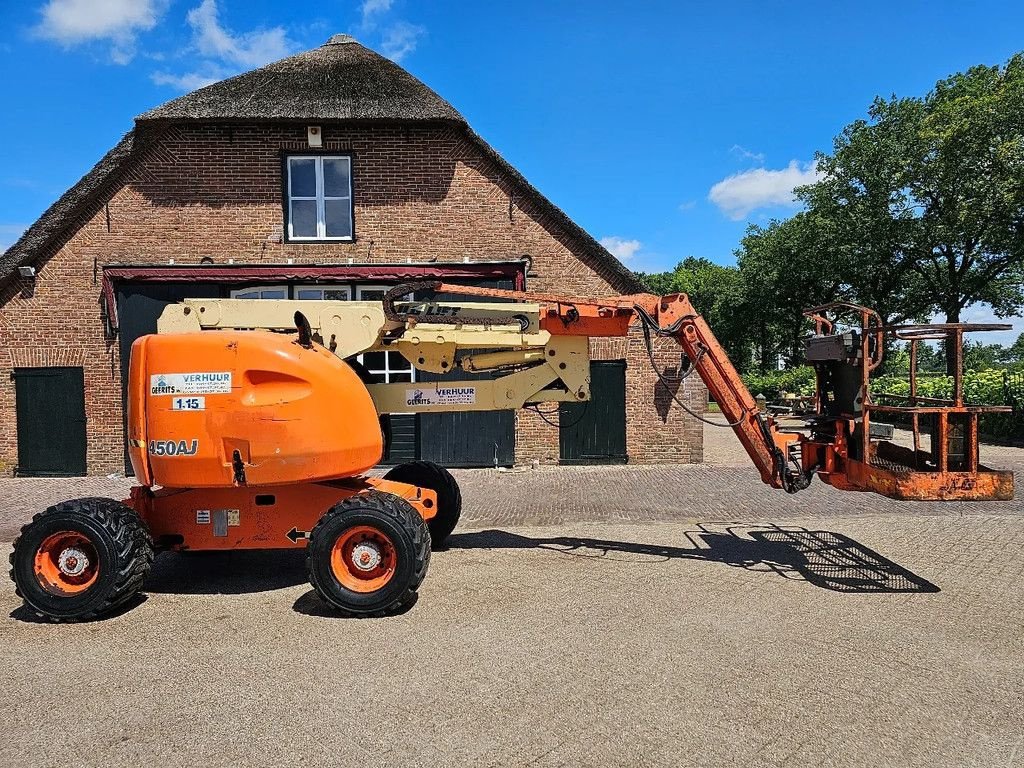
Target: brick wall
x=422, y=193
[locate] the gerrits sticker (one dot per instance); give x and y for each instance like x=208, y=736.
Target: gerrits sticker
x=200, y=383
x=440, y=396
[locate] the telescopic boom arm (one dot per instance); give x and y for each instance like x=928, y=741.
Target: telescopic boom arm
x=537, y=346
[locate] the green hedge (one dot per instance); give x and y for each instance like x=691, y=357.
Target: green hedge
x=795, y=381
x=993, y=386
x=988, y=387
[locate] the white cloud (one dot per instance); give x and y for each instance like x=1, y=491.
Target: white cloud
x=248, y=49
x=394, y=38
x=739, y=194
x=371, y=8
x=745, y=154
x=190, y=81
x=72, y=22
x=224, y=52
x=400, y=39
x=621, y=248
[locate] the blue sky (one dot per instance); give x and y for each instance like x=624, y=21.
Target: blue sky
x=662, y=128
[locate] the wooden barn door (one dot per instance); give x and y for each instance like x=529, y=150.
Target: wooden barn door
x=50, y=405
x=595, y=432
x=470, y=439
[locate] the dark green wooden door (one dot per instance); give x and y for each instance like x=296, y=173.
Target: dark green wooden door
x=400, y=438
x=50, y=404
x=595, y=432
x=470, y=439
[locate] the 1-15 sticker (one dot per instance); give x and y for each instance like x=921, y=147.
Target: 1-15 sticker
x=188, y=404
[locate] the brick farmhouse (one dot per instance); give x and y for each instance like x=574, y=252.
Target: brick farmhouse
x=330, y=174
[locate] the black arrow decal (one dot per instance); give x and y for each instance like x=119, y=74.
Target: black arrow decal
x=295, y=534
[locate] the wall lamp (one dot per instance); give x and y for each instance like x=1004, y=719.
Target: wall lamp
x=27, y=272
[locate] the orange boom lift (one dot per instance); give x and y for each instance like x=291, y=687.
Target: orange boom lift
x=251, y=425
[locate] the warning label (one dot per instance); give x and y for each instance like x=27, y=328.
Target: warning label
x=440, y=396
x=190, y=383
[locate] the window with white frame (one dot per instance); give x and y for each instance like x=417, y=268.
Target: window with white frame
x=261, y=292
x=384, y=367
x=319, y=197
x=322, y=293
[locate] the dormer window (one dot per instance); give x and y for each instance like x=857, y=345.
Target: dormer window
x=319, y=205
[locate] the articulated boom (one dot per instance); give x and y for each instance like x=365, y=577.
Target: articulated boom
x=539, y=346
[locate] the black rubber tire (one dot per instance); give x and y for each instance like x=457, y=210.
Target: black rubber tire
x=427, y=474
x=401, y=523
x=123, y=546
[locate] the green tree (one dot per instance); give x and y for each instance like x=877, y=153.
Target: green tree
x=979, y=356
x=716, y=291
x=1015, y=352
x=926, y=197
x=786, y=267
x=930, y=358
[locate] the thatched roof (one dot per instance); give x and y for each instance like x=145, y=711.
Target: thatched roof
x=339, y=81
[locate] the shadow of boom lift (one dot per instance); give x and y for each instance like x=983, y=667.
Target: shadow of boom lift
x=823, y=558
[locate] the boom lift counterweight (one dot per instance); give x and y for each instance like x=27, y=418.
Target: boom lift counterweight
x=251, y=426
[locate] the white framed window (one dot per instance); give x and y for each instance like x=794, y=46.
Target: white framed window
x=261, y=292
x=322, y=293
x=319, y=197
x=384, y=367
x=371, y=292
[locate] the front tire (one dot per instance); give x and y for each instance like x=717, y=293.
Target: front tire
x=81, y=559
x=369, y=554
x=427, y=474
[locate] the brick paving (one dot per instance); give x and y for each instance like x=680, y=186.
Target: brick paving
x=662, y=616
x=724, y=488
x=883, y=640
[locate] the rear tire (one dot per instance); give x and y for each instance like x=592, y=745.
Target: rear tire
x=369, y=554
x=81, y=559
x=427, y=474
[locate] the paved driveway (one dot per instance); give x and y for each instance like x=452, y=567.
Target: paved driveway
x=699, y=619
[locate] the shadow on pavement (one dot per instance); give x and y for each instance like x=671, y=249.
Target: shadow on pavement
x=26, y=615
x=310, y=604
x=227, y=573
x=823, y=558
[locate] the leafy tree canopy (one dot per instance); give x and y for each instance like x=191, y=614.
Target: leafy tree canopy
x=926, y=197
x=919, y=210
x=716, y=292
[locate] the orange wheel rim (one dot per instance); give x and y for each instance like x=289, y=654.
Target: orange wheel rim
x=66, y=563
x=363, y=559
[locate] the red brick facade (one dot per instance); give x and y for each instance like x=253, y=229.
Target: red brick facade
x=203, y=190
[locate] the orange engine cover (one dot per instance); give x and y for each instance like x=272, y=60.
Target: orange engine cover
x=215, y=409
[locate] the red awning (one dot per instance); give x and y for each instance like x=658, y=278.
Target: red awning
x=329, y=273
